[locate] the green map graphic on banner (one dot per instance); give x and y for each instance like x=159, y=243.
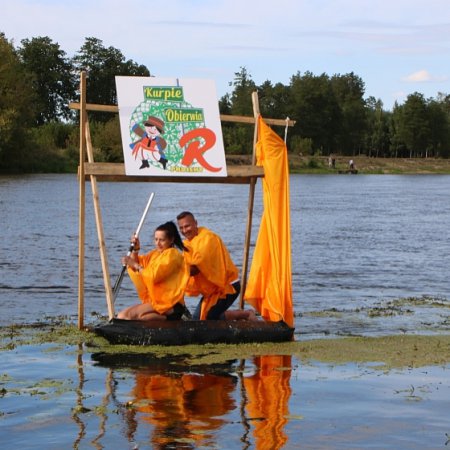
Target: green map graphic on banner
x=170, y=128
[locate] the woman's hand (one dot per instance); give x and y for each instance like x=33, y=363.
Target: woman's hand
x=132, y=263
x=135, y=243
x=128, y=261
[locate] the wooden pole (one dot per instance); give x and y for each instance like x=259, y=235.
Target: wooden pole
x=99, y=223
x=251, y=198
x=82, y=202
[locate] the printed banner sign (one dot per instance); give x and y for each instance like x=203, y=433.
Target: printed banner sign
x=170, y=127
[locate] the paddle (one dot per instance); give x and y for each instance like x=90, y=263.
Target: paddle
x=136, y=234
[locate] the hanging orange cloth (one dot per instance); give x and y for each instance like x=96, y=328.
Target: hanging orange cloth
x=269, y=286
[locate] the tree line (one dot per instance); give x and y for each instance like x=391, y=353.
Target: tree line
x=333, y=117
x=38, y=131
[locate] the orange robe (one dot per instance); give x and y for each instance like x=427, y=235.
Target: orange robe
x=163, y=279
x=217, y=271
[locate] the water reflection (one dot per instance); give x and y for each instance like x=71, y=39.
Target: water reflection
x=79, y=410
x=176, y=405
x=268, y=392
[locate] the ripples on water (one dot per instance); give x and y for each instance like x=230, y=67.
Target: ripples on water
x=370, y=253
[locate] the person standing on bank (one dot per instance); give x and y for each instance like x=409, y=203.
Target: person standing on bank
x=213, y=273
x=160, y=277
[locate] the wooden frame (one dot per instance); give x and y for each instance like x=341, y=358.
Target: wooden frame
x=90, y=170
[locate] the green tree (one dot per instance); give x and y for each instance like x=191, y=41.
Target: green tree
x=377, y=138
x=51, y=153
x=397, y=147
x=16, y=110
x=106, y=141
x=53, y=78
x=444, y=102
x=316, y=109
x=238, y=139
x=412, y=126
x=439, y=140
x=349, y=92
x=225, y=104
x=241, y=97
x=274, y=102
x=102, y=65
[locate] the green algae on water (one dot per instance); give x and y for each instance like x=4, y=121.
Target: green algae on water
x=399, y=351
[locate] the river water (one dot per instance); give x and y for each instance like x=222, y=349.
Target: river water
x=370, y=256
x=370, y=253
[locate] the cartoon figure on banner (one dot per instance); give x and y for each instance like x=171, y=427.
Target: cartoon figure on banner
x=151, y=142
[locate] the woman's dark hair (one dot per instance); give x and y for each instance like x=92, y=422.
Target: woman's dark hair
x=171, y=231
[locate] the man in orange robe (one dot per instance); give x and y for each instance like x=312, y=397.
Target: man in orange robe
x=213, y=273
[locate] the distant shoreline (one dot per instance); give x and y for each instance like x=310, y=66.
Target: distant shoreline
x=300, y=164
x=363, y=164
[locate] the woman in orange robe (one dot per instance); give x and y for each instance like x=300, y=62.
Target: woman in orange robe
x=160, y=277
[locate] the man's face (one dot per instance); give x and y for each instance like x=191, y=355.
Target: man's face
x=188, y=227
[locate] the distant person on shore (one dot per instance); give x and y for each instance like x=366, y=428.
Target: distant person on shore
x=351, y=165
x=332, y=161
x=160, y=277
x=213, y=274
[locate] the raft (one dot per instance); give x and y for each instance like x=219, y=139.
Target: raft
x=180, y=332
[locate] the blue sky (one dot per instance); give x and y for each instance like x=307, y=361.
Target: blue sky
x=397, y=47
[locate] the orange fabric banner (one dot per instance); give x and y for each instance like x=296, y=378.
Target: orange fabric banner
x=269, y=286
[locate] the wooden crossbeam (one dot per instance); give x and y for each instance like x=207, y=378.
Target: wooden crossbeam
x=223, y=117
x=116, y=172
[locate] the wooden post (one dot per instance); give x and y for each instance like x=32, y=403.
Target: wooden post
x=251, y=198
x=99, y=223
x=82, y=202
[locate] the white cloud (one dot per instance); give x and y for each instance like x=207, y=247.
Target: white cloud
x=423, y=76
